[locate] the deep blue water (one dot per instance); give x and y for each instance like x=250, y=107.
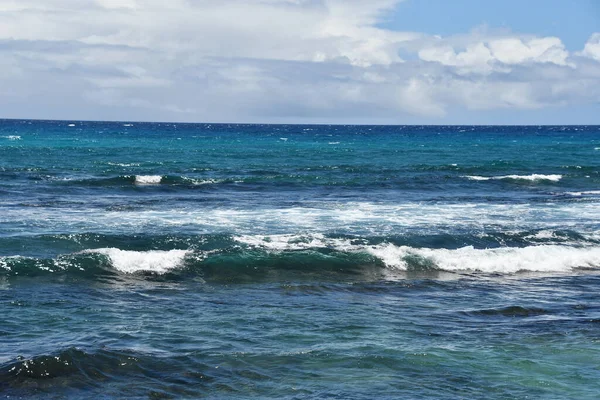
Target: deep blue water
x=146, y=260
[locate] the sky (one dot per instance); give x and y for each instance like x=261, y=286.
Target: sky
x=302, y=61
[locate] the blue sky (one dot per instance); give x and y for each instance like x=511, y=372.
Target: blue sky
x=302, y=61
x=574, y=21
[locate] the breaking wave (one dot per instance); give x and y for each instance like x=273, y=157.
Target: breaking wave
x=532, y=177
x=133, y=261
x=148, y=179
x=285, y=257
x=539, y=258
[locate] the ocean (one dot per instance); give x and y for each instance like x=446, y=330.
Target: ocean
x=231, y=261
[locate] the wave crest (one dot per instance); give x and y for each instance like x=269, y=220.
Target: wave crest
x=539, y=258
x=157, y=261
x=148, y=179
x=532, y=177
x=289, y=257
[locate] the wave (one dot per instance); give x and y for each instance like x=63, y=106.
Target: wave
x=540, y=258
x=292, y=257
x=11, y=137
x=532, y=177
x=157, y=261
x=137, y=180
x=584, y=193
x=52, y=244
x=75, y=366
x=148, y=179
x=124, y=164
x=510, y=311
x=342, y=176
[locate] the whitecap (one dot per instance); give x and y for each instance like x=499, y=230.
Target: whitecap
x=205, y=181
x=156, y=261
x=477, y=178
x=11, y=137
x=148, y=179
x=532, y=177
x=505, y=260
x=195, y=181
x=584, y=193
x=124, y=164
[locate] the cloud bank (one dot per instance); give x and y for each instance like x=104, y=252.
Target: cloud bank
x=271, y=61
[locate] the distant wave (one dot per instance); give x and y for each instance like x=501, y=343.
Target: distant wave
x=584, y=193
x=148, y=179
x=11, y=137
x=167, y=179
x=532, y=177
x=138, y=180
x=124, y=164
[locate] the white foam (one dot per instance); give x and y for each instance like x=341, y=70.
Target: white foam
x=584, y=193
x=543, y=235
x=544, y=258
x=356, y=218
x=547, y=258
x=532, y=177
x=291, y=242
x=71, y=125
x=11, y=137
x=133, y=261
x=477, y=178
x=124, y=164
x=201, y=181
x=148, y=179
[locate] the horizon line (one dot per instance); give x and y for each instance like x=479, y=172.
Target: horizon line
x=278, y=123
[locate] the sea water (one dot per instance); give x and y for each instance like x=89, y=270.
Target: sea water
x=154, y=260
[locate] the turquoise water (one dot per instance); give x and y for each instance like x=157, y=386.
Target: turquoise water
x=277, y=261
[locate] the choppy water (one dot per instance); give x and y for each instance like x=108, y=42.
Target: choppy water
x=276, y=261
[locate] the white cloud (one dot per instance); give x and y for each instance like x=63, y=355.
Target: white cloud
x=592, y=47
x=496, y=54
x=293, y=60
x=517, y=51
